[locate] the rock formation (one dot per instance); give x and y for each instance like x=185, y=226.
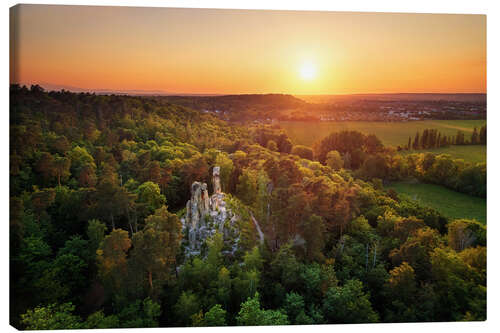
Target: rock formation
x=199, y=204
x=197, y=208
x=207, y=215
x=217, y=199
x=216, y=180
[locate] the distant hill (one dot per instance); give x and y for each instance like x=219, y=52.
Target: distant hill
x=131, y=92
x=395, y=97
x=258, y=100
x=238, y=106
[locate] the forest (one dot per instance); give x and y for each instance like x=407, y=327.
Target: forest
x=99, y=238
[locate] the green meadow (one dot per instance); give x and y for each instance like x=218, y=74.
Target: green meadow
x=450, y=203
x=474, y=154
x=391, y=133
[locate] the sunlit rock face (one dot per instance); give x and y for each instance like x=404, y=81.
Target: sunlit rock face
x=216, y=180
x=207, y=215
x=199, y=204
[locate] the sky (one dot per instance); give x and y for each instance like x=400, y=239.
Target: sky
x=213, y=51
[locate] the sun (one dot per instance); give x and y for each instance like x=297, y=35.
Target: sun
x=308, y=71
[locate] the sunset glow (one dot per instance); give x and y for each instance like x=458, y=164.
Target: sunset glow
x=235, y=51
x=308, y=71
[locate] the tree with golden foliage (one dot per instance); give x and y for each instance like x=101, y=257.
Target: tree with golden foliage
x=156, y=246
x=112, y=258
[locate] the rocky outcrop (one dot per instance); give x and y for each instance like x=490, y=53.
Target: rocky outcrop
x=207, y=215
x=199, y=204
x=216, y=180
x=197, y=208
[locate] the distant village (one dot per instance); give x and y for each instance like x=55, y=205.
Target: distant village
x=270, y=108
x=404, y=111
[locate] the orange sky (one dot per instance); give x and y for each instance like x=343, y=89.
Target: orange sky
x=240, y=51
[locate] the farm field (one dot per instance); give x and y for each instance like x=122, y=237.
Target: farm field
x=450, y=203
x=474, y=154
x=391, y=133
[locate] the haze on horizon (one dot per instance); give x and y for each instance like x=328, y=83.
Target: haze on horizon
x=213, y=51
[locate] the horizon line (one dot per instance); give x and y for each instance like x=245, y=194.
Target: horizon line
x=153, y=92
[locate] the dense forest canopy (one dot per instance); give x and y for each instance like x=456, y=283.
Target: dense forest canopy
x=98, y=191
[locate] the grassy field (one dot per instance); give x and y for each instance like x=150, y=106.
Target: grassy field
x=450, y=203
x=391, y=133
x=475, y=154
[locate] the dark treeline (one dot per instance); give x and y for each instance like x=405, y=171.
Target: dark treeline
x=432, y=138
x=98, y=185
x=239, y=107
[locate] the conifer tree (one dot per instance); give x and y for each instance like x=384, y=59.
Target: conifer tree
x=474, y=139
x=416, y=142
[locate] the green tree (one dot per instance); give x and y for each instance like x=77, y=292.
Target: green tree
x=303, y=152
x=216, y=316
x=285, y=267
x=224, y=286
x=349, y=304
x=416, y=142
x=344, y=142
x=375, y=166
x=61, y=168
x=95, y=232
x=251, y=314
x=401, y=289
x=474, y=139
x=334, y=160
x=100, y=320
x=460, y=293
x=373, y=144
x=246, y=189
x=313, y=231
x=476, y=258
x=186, y=306
x=155, y=247
x=226, y=169
x=81, y=159
x=71, y=271
x=294, y=305
x=113, y=200
x=112, y=258
x=149, y=198
x=140, y=314
x=416, y=251
x=252, y=260
x=51, y=317
x=482, y=135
